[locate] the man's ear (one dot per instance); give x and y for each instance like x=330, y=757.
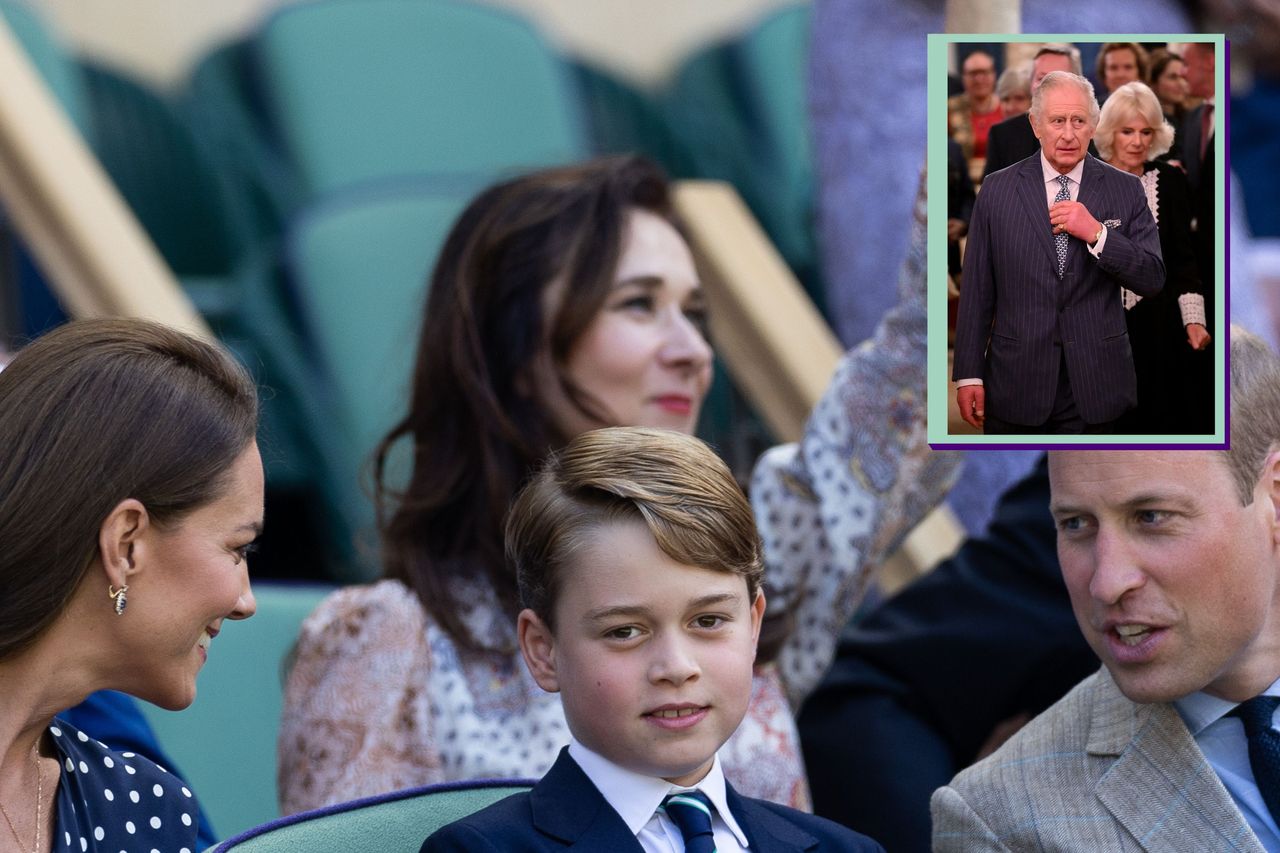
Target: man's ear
x=118, y=539
x=757, y=617
x=1269, y=484
x=538, y=646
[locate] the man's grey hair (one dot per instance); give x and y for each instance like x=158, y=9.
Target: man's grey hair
x=1052, y=81
x=1070, y=51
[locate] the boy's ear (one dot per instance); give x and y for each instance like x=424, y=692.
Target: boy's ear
x=538, y=646
x=757, y=617
x=118, y=540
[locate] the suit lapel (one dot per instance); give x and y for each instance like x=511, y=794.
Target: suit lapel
x=1161, y=788
x=1090, y=179
x=569, y=808
x=1032, y=195
x=766, y=830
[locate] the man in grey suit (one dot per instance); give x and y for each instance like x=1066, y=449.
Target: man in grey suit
x=1172, y=563
x=1041, y=340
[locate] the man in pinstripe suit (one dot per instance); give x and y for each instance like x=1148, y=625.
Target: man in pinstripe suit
x=1041, y=342
x=1172, y=563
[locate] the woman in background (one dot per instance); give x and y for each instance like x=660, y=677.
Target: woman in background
x=1014, y=91
x=1165, y=329
x=130, y=492
x=562, y=301
x=1168, y=79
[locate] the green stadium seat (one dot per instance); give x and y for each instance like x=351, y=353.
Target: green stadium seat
x=367, y=89
x=391, y=823
x=359, y=264
x=738, y=110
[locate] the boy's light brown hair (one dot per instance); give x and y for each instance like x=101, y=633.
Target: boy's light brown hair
x=674, y=483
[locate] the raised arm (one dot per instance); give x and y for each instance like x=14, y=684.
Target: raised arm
x=834, y=505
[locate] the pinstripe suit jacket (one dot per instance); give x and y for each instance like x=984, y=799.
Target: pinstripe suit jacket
x=1098, y=773
x=1013, y=305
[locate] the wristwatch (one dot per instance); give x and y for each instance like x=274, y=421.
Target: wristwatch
x=1098, y=236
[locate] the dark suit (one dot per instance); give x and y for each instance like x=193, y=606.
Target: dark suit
x=1173, y=395
x=565, y=810
x=920, y=681
x=1012, y=141
x=1034, y=321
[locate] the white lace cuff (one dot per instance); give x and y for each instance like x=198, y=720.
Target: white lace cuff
x=1192, y=306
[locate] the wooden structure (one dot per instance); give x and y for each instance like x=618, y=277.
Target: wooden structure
x=85, y=238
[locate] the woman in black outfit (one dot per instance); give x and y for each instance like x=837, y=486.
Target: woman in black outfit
x=1166, y=331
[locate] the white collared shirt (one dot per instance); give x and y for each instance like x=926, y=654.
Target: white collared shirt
x=1226, y=747
x=636, y=797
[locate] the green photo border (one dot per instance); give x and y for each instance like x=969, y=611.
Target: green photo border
x=938, y=384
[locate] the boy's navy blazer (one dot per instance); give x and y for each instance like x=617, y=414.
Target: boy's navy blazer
x=565, y=811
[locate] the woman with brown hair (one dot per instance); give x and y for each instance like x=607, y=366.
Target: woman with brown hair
x=562, y=301
x=130, y=492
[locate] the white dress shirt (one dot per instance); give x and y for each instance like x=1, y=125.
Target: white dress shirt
x=636, y=797
x=1225, y=746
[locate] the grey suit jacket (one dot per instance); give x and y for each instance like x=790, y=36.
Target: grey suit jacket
x=1096, y=772
x=1014, y=307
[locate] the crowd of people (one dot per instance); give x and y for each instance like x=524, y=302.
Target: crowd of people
x=1149, y=352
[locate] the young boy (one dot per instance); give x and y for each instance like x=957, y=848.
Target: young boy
x=639, y=568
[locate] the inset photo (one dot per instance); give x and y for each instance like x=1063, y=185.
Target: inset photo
x=1077, y=285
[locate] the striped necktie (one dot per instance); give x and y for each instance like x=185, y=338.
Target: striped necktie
x=1060, y=239
x=691, y=811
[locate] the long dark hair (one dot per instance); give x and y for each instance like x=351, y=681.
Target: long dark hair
x=476, y=430
x=92, y=413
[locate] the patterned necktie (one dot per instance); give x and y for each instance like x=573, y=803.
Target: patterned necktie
x=1060, y=239
x=1264, y=747
x=691, y=811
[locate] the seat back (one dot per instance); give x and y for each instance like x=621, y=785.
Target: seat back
x=391, y=823
x=359, y=264
x=225, y=742
x=154, y=161
x=772, y=60
x=739, y=109
x=366, y=89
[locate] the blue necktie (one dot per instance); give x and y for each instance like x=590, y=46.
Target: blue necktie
x=1264, y=747
x=691, y=811
x=1060, y=239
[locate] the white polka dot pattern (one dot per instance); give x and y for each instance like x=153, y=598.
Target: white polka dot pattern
x=92, y=818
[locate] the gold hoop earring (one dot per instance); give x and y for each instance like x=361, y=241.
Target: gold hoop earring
x=119, y=597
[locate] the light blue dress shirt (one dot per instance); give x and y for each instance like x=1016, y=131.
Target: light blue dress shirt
x=1223, y=742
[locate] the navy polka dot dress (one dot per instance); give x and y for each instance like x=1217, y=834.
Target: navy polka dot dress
x=118, y=802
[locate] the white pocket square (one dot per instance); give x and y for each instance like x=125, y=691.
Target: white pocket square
x=1112, y=223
